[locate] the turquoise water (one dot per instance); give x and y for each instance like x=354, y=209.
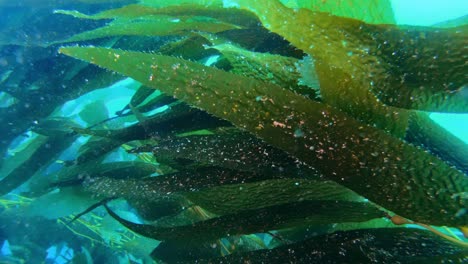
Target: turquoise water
x=102, y=165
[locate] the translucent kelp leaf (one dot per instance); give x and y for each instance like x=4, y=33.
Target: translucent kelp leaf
x=375, y=12
x=363, y=246
x=413, y=67
x=426, y=132
x=153, y=26
x=273, y=68
x=61, y=203
x=461, y=21
x=43, y=155
x=259, y=220
x=94, y=112
x=385, y=170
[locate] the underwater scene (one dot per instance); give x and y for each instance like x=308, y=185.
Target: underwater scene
x=233, y=131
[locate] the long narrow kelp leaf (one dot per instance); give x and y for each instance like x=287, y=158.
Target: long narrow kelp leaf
x=156, y=188
x=234, y=150
x=361, y=246
x=43, y=155
x=384, y=169
x=153, y=26
x=177, y=119
x=416, y=67
x=232, y=16
x=91, y=169
x=259, y=220
x=232, y=198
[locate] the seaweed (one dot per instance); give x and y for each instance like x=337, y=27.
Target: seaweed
x=153, y=26
x=411, y=182
x=258, y=220
x=235, y=150
x=378, y=58
x=371, y=245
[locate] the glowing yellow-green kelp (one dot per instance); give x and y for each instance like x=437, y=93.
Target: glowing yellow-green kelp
x=385, y=170
x=375, y=11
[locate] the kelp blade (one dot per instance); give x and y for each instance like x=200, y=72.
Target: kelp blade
x=384, y=59
x=259, y=220
x=362, y=246
x=153, y=26
x=377, y=166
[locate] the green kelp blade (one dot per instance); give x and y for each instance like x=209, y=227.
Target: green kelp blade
x=230, y=198
x=235, y=150
x=229, y=15
x=159, y=187
x=396, y=64
x=280, y=70
x=456, y=22
x=43, y=155
x=259, y=220
x=387, y=171
x=374, y=12
x=377, y=11
x=178, y=118
x=426, y=132
x=90, y=169
x=153, y=26
x=361, y=246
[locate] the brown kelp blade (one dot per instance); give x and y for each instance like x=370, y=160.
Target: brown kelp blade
x=397, y=176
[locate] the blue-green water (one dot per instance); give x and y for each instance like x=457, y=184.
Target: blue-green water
x=300, y=147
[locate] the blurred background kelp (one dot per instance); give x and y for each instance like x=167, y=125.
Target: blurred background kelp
x=231, y=131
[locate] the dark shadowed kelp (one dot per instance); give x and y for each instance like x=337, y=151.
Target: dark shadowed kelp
x=410, y=181
x=259, y=220
x=234, y=150
x=364, y=246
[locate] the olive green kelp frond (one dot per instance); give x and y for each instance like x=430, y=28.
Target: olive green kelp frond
x=389, y=172
x=153, y=26
x=375, y=11
x=232, y=16
x=412, y=67
x=299, y=213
